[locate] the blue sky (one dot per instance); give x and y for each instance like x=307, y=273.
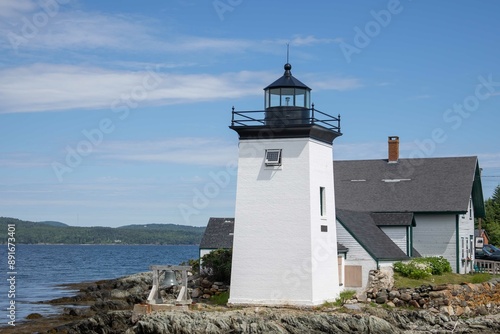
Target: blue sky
x=116, y=113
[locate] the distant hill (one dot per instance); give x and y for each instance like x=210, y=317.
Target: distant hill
x=161, y=227
x=53, y=223
x=50, y=232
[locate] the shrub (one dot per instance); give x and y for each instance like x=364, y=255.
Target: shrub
x=195, y=265
x=217, y=264
x=423, y=267
x=438, y=264
x=413, y=269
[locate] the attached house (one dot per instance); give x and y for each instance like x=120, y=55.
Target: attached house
x=374, y=240
x=443, y=196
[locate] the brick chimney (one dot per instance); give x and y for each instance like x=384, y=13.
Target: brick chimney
x=393, y=149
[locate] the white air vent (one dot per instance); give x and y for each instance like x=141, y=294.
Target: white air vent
x=273, y=157
x=394, y=180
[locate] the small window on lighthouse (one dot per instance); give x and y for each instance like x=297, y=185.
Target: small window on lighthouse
x=273, y=157
x=322, y=201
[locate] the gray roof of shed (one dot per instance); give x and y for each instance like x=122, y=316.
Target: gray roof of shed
x=362, y=227
x=410, y=185
x=218, y=234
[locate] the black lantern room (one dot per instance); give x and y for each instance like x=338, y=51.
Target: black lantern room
x=288, y=113
x=287, y=100
x=287, y=91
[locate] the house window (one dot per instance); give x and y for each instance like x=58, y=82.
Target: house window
x=471, y=246
x=324, y=228
x=273, y=157
x=463, y=248
x=470, y=208
x=322, y=201
x=467, y=250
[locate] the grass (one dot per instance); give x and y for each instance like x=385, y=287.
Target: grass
x=220, y=299
x=446, y=278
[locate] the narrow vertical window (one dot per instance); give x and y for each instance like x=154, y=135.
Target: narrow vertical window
x=467, y=250
x=470, y=208
x=471, y=247
x=463, y=248
x=322, y=201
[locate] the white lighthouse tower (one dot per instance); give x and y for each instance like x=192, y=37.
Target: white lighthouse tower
x=285, y=241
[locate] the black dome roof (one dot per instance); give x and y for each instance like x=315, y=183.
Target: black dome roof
x=287, y=80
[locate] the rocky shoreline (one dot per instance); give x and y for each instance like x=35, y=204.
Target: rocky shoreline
x=107, y=307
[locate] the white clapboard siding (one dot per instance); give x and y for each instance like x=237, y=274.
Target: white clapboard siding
x=398, y=236
x=356, y=256
x=435, y=235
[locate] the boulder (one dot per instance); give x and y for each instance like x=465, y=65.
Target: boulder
x=196, y=293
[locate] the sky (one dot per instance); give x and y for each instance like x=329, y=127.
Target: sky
x=117, y=113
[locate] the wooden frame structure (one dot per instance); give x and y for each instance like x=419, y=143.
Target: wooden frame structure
x=182, y=298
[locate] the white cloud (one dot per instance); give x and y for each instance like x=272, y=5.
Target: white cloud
x=187, y=150
x=310, y=40
x=47, y=87
x=13, y=9
x=96, y=32
x=300, y=40
x=23, y=160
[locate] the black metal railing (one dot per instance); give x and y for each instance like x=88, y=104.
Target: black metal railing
x=288, y=116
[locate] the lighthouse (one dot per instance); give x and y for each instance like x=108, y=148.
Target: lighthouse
x=285, y=242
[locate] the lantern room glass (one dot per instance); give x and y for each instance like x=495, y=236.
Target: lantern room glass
x=287, y=97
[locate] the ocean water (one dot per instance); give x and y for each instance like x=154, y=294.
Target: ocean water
x=41, y=269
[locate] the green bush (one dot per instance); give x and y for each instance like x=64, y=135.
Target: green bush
x=438, y=264
x=423, y=267
x=217, y=264
x=412, y=269
x=195, y=265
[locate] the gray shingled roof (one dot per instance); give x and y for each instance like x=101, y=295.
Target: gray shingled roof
x=370, y=236
x=393, y=219
x=218, y=234
x=410, y=185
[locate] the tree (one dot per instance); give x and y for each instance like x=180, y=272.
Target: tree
x=496, y=195
x=492, y=220
x=217, y=264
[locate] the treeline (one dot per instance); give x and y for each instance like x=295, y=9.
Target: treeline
x=492, y=221
x=27, y=232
